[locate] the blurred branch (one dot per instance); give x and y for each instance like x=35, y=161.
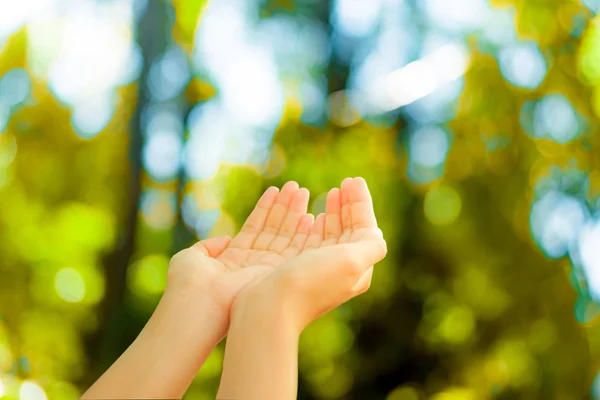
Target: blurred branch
x=337, y=72
x=182, y=235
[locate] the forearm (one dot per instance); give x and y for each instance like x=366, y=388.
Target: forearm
x=261, y=358
x=163, y=360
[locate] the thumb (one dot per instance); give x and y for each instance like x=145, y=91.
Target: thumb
x=213, y=247
x=368, y=251
x=353, y=259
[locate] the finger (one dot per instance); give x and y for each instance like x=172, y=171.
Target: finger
x=295, y=247
x=276, y=216
x=256, y=221
x=296, y=211
x=362, y=213
x=213, y=247
x=333, y=217
x=346, y=210
x=348, y=274
x=315, y=236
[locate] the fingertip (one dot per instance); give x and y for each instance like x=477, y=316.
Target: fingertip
x=306, y=223
x=307, y=219
x=268, y=197
x=320, y=220
x=360, y=182
x=318, y=226
x=359, y=191
x=303, y=192
x=299, y=202
x=288, y=193
x=333, y=197
x=301, y=196
x=271, y=191
x=290, y=185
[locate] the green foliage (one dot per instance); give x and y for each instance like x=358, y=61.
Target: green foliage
x=466, y=306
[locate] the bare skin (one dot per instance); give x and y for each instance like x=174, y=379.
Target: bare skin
x=194, y=313
x=334, y=265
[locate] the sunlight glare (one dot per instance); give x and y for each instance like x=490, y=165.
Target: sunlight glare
x=523, y=65
x=556, y=220
x=589, y=253
x=69, y=285
x=356, y=18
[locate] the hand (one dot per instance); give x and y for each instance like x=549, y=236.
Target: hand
x=193, y=314
x=219, y=268
x=334, y=265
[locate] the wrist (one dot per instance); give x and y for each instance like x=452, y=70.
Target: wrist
x=261, y=354
x=167, y=354
x=185, y=324
x=269, y=312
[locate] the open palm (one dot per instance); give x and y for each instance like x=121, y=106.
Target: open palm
x=275, y=231
x=336, y=261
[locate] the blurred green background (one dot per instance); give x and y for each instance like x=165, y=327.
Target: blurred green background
x=130, y=128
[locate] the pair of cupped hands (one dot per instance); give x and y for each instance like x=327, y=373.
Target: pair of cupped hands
x=262, y=288
x=285, y=258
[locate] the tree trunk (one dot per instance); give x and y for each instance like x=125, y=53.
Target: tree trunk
x=105, y=345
